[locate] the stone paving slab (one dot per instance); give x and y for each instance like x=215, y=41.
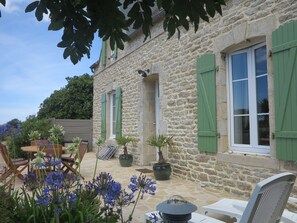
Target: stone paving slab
x=191, y=191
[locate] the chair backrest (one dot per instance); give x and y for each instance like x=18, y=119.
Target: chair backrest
x=82, y=150
x=269, y=199
x=5, y=155
x=56, y=150
x=39, y=142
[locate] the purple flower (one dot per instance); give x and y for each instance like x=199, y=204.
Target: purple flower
x=102, y=183
x=125, y=199
x=146, y=185
x=55, y=180
x=55, y=162
x=43, y=199
x=113, y=193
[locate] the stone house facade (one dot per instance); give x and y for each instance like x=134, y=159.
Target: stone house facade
x=218, y=92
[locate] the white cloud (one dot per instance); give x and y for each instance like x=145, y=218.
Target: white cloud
x=20, y=113
x=31, y=66
x=15, y=6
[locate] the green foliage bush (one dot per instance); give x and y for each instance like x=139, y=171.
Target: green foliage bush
x=74, y=101
x=6, y=206
x=20, y=136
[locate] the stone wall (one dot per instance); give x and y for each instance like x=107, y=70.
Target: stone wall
x=244, y=22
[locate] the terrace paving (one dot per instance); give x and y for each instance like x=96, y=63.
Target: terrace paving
x=191, y=191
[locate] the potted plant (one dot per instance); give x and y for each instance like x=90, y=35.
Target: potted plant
x=125, y=158
x=162, y=169
x=33, y=137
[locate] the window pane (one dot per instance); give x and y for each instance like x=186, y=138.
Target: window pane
x=262, y=94
x=239, y=66
x=241, y=130
x=261, y=61
x=240, y=97
x=263, y=130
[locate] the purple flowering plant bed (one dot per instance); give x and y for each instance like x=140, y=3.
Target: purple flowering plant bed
x=56, y=197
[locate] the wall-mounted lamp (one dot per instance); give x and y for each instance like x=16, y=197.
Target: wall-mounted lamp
x=143, y=73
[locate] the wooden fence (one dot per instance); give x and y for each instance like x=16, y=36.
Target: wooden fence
x=82, y=128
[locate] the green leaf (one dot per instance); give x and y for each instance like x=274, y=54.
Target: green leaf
x=32, y=6
x=218, y=6
x=184, y=23
x=3, y=2
x=55, y=25
x=196, y=26
x=134, y=11
x=38, y=15
x=67, y=52
x=159, y=3
x=199, y=9
x=171, y=27
x=165, y=23
x=68, y=34
x=138, y=22
x=73, y=58
x=112, y=42
x=127, y=3
x=64, y=44
x=210, y=8
x=120, y=43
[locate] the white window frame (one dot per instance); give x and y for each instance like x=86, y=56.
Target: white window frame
x=253, y=147
x=112, y=118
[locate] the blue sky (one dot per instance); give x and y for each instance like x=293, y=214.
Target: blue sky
x=31, y=64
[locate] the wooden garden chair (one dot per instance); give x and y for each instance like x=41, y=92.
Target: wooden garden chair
x=72, y=163
x=14, y=167
x=52, y=153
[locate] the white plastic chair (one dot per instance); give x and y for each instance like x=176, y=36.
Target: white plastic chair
x=266, y=204
x=235, y=208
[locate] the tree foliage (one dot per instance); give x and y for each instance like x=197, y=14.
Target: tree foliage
x=80, y=20
x=74, y=101
x=16, y=133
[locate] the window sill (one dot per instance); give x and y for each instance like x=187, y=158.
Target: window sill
x=253, y=160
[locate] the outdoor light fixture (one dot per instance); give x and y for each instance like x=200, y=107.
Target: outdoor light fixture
x=143, y=73
x=176, y=209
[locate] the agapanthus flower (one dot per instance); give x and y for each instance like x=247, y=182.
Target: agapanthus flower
x=102, y=183
x=143, y=183
x=55, y=180
x=43, y=199
x=113, y=192
x=124, y=199
x=55, y=162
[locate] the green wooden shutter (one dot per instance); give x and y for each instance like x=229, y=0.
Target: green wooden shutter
x=118, y=112
x=103, y=53
x=284, y=59
x=206, y=94
x=103, y=116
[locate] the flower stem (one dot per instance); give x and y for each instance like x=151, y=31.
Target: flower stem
x=138, y=196
x=95, y=170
